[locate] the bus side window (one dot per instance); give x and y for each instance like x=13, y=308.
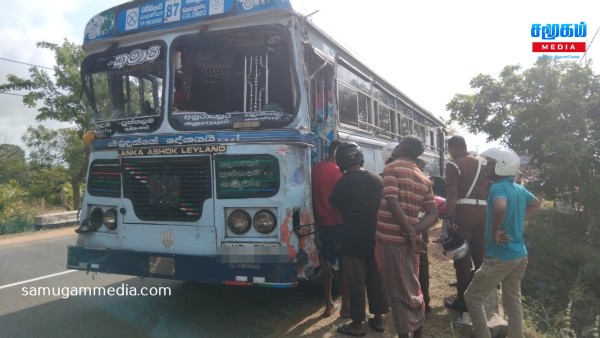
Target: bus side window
x=321, y=96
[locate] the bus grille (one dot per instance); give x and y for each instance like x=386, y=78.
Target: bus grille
x=167, y=189
x=104, y=178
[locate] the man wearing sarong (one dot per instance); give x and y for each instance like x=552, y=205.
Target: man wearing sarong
x=406, y=192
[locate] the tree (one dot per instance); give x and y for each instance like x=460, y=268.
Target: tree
x=47, y=185
x=43, y=144
x=550, y=112
x=74, y=154
x=12, y=162
x=60, y=95
x=56, y=156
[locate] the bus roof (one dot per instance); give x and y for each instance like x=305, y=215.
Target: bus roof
x=152, y=15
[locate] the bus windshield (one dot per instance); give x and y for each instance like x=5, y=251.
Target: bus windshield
x=233, y=79
x=125, y=87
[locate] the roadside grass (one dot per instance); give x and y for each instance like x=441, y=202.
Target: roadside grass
x=18, y=208
x=17, y=217
x=561, y=286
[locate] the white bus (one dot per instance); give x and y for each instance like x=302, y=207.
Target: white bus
x=208, y=117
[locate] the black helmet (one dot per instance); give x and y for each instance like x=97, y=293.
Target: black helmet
x=347, y=154
x=455, y=246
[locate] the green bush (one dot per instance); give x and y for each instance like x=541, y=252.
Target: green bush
x=19, y=221
x=560, y=290
x=16, y=213
x=48, y=184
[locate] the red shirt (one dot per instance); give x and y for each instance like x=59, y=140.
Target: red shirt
x=324, y=176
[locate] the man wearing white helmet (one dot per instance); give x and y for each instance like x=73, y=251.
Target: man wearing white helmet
x=508, y=206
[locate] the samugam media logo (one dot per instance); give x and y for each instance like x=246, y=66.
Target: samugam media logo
x=566, y=31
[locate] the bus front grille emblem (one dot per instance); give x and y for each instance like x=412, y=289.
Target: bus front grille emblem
x=167, y=238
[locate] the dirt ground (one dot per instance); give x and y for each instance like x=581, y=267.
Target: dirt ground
x=438, y=324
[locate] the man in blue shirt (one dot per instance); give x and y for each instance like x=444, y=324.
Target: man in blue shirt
x=509, y=205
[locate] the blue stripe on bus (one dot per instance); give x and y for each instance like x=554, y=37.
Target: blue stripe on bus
x=278, y=136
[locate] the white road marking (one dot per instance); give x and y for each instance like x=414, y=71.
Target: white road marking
x=36, y=279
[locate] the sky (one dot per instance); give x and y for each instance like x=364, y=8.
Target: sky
x=430, y=50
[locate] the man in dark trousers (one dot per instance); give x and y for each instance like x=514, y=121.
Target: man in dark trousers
x=467, y=191
x=357, y=194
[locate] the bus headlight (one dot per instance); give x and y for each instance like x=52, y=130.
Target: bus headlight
x=110, y=219
x=264, y=221
x=238, y=222
x=96, y=218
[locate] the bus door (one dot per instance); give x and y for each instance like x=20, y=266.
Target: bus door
x=169, y=200
x=321, y=101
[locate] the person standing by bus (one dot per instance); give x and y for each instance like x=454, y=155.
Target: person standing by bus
x=467, y=190
x=424, y=259
x=357, y=194
x=406, y=192
x=329, y=224
x=509, y=205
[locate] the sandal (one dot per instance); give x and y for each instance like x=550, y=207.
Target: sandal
x=328, y=314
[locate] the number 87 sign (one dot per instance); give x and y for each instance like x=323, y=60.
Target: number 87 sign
x=172, y=10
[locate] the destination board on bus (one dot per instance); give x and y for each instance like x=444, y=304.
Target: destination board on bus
x=158, y=12
x=247, y=176
x=152, y=15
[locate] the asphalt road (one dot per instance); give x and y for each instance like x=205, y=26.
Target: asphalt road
x=37, y=260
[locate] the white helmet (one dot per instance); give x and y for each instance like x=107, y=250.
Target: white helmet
x=507, y=161
x=455, y=246
x=387, y=151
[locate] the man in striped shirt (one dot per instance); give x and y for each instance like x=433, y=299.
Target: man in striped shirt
x=406, y=192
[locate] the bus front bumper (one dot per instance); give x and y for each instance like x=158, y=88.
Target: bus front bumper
x=276, y=272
